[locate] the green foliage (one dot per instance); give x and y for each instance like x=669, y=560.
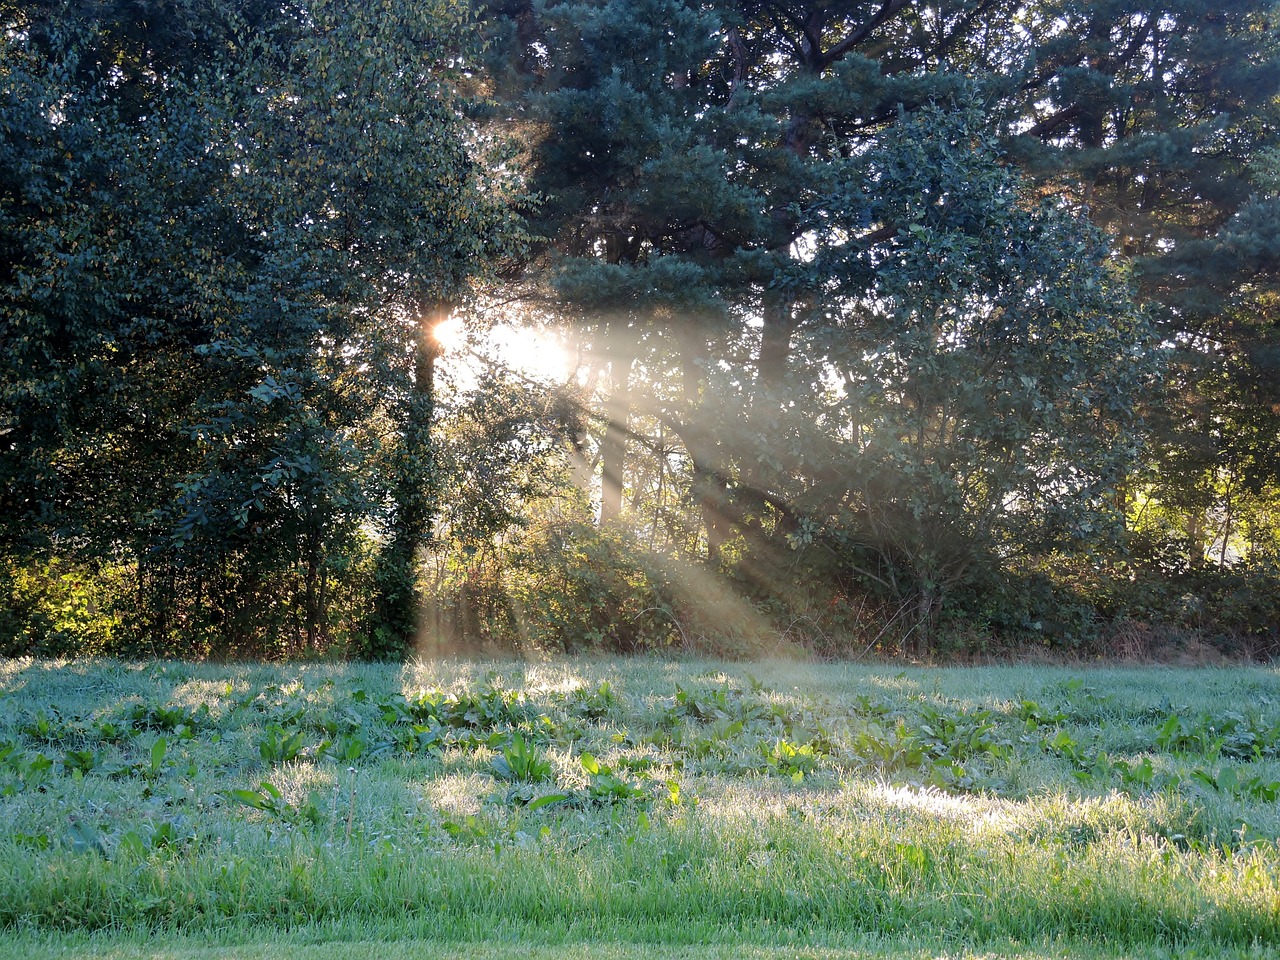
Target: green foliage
x=606, y=786
x=280, y=745
x=521, y=762
x=23, y=772
x=183, y=722
x=595, y=704
x=560, y=586
x=219, y=268
x=789, y=759
x=268, y=798
x=899, y=329
x=169, y=835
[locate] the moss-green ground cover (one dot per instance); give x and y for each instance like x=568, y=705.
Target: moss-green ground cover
x=637, y=808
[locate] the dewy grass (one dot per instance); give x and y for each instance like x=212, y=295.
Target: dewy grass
x=677, y=804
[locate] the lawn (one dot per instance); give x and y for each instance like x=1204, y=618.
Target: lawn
x=628, y=808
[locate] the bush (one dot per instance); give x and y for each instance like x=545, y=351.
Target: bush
x=57, y=609
x=564, y=586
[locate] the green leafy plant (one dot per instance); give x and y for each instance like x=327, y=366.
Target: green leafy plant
x=268, y=798
x=1136, y=776
x=789, y=759
x=179, y=721
x=47, y=727
x=25, y=772
x=594, y=704
x=155, y=759
x=349, y=747
x=606, y=786
x=1035, y=716
x=79, y=762
x=888, y=748
x=1064, y=744
x=717, y=703
x=167, y=835
x=519, y=761
x=1229, y=781
x=279, y=745
x=82, y=837
x=960, y=737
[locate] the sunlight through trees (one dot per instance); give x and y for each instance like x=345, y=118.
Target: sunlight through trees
x=730, y=324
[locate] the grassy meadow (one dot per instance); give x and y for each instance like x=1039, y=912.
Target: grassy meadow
x=620, y=808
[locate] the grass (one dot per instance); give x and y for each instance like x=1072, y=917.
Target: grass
x=637, y=808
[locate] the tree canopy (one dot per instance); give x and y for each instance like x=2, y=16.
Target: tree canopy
x=958, y=317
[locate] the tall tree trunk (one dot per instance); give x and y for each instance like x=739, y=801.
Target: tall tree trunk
x=775, y=339
x=709, y=488
x=613, y=446
x=1195, y=536
x=313, y=608
x=397, y=609
x=777, y=308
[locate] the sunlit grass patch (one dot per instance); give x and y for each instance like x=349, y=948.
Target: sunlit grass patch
x=780, y=804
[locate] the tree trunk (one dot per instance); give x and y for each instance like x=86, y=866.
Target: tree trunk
x=613, y=446
x=927, y=607
x=396, y=617
x=709, y=488
x=1195, y=537
x=312, y=608
x=775, y=339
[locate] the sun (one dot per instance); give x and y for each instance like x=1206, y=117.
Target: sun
x=450, y=335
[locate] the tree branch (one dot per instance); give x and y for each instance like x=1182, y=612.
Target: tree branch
x=886, y=13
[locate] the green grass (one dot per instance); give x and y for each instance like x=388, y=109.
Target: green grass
x=637, y=808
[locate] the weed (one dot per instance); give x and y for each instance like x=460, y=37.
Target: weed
x=79, y=762
x=270, y=800
x=960, y=737
x=180, y=722
x=347, y=748
x=1229, y=782
x=888, y=749
x=606, y=786
x=280, y=745
x=1036, y=716
x=594, y=704
x=168, y=835
x=518, y=761
x=48, y=727
x=24, y=772
x=789, y=759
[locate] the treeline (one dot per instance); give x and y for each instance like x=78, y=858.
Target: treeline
x=897, y=326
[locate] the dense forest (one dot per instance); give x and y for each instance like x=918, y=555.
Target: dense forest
x=877, y=327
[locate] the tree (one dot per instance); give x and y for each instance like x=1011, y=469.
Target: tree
x=1160, y=117
x=224, y=278
x=746, y=198
x=982, y=372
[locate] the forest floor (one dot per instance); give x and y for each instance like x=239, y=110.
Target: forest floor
x=637, y=808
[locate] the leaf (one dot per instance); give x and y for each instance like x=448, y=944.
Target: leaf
x=132, y=843
x=1228, y=781
x=250, y=798
x=590, y=764
x=86, y=839
x=158, y=750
